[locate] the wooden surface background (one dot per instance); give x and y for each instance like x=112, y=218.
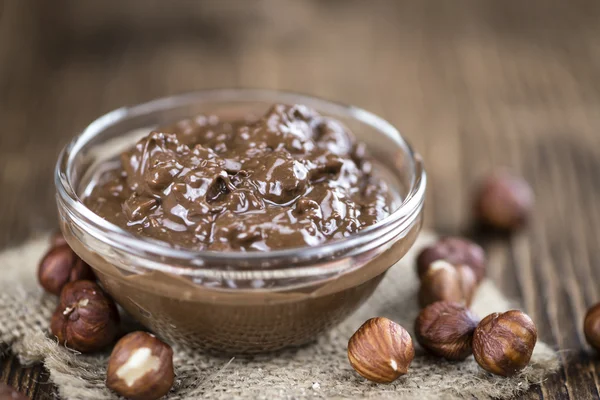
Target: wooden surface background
x=473, y=85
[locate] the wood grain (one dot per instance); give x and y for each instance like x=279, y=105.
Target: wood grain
x=474, y=85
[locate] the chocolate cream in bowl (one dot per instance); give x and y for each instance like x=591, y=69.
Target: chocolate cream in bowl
x=291, y=178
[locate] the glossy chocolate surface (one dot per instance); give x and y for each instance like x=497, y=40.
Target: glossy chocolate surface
x=291, y=178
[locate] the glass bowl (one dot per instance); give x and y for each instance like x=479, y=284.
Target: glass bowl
x=236, y=302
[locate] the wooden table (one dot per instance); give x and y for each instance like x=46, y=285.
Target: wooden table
x=473, y=86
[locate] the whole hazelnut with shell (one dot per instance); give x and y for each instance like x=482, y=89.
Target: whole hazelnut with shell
x=57, y=239
x=140, y=367
x=445, y=329
x=10, y=393
x=503, y=342
x=504, y=202
x=60, y=266
x=86, y=319
x=591, y=326
x=381, y=350
x=456, y=251
x=446, y=282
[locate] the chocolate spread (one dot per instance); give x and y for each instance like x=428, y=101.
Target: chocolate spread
x=291, y=178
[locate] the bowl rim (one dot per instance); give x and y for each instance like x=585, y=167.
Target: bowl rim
x=405, y=213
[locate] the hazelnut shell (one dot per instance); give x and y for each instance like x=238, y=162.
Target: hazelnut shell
x=10, y=393
x=86, y=319
x=503, y=342
x=591, y=326
x=504, y=202
x=60, y=266
x=141, y=367
x=445, y=282
x=445, y=329
x=455, y=250
x=57, y=239
x=381, y=350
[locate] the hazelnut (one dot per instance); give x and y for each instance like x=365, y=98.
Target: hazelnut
x=86, y=319
x=60, y=266
x=446, y=282
x=140, y=367
x=57, y=239
x=504, y=202
x=456, y=251
x=446, y=329
x=503, y=342
x=381, y=350
x=10, y=393
x=591, y=326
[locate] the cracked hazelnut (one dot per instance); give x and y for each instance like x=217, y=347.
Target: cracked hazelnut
x=456, y=251
x=591, y=327
x=503, y=342
x=446, y=329
x=381, y=350
x=60, y=266
x=10, y=393
x=86, y=319
x=140, y=367
x=504, y=202
x=446, y=282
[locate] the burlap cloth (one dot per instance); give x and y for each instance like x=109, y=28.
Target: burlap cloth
x=318, y=370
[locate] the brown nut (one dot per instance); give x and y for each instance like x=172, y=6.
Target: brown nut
x=10, y=393
x=504, y=202
x=503, y=342
x=86, y=319
x=455, y=250
x=381, y=350
x=60, y=266
x=446, y=282
x=446, y=329
x=591, y=326
x=57, y=239
x=140, y=367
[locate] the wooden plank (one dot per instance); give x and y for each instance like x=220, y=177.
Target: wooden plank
x=473, y=85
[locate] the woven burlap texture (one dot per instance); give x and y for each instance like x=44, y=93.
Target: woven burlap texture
x=318, y=370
